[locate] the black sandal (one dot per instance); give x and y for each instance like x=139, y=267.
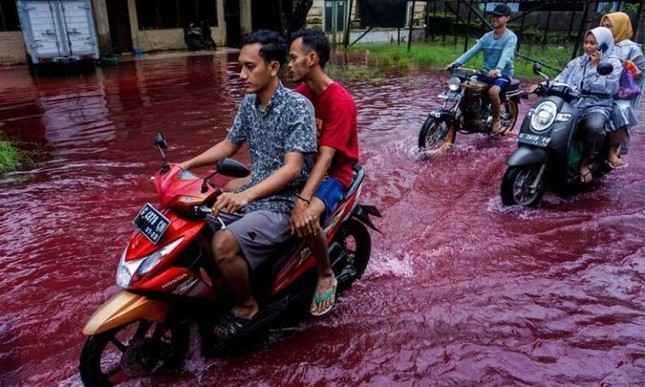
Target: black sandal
x=230, y=326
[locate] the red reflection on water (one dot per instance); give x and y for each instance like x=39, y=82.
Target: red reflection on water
x=460, y=290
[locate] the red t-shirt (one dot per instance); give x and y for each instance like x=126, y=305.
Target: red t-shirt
x=336, y=127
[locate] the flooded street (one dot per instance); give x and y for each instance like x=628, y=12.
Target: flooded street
x=460, y=290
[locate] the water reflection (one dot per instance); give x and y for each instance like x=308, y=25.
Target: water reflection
x=460, y=290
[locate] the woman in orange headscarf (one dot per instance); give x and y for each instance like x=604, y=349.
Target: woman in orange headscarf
x=623, y=116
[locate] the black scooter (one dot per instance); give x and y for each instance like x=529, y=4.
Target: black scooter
x=197, y=36
x=549, y=152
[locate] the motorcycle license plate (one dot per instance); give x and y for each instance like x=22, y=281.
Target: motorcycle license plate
x=151, y=223
x=535, y=140
x=450, y=95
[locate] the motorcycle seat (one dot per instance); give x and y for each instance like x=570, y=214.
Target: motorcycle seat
x=513, y=89
x=515, y=85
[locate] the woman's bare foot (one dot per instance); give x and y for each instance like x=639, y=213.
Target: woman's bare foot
x=585, y=174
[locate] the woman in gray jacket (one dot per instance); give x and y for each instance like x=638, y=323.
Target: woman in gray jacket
x=595, y=104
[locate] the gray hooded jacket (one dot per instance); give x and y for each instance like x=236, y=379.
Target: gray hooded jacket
x=597, y=89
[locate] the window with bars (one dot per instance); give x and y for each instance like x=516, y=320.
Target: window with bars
x=162, y=14
x=9, y=16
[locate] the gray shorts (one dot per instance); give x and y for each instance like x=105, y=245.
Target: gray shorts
x=258, y=233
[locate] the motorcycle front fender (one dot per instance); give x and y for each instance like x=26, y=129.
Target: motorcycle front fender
x=441, y=115
x=525, y=155
x=123, y=308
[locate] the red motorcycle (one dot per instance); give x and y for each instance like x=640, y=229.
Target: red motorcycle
x=169, y=281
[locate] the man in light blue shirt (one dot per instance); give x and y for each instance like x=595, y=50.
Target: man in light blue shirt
x=498, y=46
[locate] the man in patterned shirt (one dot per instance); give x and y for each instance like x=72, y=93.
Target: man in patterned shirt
x=279, y=126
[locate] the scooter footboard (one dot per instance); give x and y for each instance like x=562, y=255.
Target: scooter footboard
x=122, y=308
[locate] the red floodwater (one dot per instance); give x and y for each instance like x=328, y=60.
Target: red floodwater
x=460, y=290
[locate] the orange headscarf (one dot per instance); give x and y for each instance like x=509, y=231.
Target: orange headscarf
x=621, y=26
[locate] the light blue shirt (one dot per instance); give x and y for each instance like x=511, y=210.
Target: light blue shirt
x=498, y=53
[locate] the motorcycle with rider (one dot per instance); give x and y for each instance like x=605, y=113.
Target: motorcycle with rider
x=562, y=142
x=484, y=101
x=225, y=260
x=169, y=283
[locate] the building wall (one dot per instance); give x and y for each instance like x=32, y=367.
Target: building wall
x=315, y=15
x=12, y=48
x=170, y=39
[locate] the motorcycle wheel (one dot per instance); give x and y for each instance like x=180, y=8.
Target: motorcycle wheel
x=509, y=113
x=516, y=186
x=357, y=242
x=436, y=136
x=139, y=348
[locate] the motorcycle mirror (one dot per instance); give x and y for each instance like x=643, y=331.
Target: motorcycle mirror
x=227, y=167
x=537, y=68
x=232, y=168
x=161, y=144
x=605, y=68
x=160, y=141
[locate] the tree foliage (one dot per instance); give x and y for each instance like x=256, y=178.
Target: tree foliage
x=293, y=14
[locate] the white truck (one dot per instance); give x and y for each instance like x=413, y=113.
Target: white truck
x=59, y=35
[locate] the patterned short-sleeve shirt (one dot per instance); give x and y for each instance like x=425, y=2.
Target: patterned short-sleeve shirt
x=286, y=125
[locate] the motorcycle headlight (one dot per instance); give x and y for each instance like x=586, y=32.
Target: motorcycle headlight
x=544, y=116
x=127, y=270
x=454, y=84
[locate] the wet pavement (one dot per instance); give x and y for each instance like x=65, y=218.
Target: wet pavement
x=460, y=290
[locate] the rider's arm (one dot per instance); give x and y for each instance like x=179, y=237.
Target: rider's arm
x=300, y=141
x=279, y=179
x=507, y=55
x=468, y=55
x=572, y=66
x=211, y=156
x=323, y=162
x=636, y=55
x=603, y=84
x=338, y=130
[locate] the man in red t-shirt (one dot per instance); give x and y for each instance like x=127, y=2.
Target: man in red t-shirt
x=332, y=172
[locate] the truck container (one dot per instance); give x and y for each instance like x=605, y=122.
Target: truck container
x=59, y=35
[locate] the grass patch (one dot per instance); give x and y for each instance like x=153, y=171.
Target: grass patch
x=354, y=72
x=12, y=157
x=438, y=54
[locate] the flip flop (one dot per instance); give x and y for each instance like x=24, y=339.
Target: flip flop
x=317, y=300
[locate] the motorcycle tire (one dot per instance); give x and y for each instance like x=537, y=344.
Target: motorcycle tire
x=516, y=186
x=356, y=241
x=509, y=114
x=436, y=136
x=106, y=358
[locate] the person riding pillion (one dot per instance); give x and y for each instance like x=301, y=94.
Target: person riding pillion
x=498, y=47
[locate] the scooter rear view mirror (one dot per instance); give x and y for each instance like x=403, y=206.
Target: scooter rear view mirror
x=537, y=68
x=605, y=68
x=160, y=141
